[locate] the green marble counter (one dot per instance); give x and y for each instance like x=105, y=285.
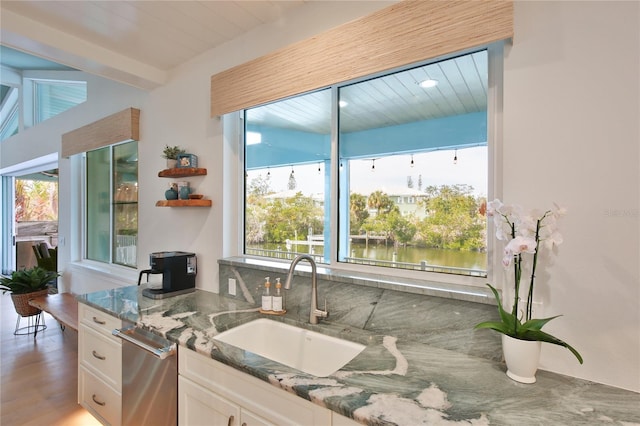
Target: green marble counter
x=396, y=380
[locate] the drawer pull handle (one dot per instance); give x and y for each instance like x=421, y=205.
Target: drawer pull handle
x=244, y=423
x=230, y=421
x=97, y=321
x=102, y=404
x=100, y=357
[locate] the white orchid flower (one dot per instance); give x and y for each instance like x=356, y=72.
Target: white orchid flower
x=493, y=207
x=506, y=261
x=553, y=240
x=521, y=244
x=559, y=211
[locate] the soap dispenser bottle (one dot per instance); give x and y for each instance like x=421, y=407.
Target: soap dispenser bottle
x=278, y=298
x=267, y=298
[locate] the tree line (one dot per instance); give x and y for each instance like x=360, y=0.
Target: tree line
x=450, y=217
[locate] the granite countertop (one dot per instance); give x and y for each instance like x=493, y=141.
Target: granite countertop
x=394, y=381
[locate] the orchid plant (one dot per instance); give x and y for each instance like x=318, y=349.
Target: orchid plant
x=526, y=233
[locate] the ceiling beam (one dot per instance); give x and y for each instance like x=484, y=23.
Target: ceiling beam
x=33, y=37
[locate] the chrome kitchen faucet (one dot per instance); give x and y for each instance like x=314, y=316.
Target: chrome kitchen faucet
x=315, y=313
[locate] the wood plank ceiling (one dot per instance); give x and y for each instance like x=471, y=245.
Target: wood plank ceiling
x=392, y=100
x=163, y=34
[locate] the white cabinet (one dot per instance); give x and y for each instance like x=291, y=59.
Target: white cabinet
x=208, y=389
x=99, y=365
x=200, y=406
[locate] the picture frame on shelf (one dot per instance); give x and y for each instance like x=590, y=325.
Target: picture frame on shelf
x=187, y=160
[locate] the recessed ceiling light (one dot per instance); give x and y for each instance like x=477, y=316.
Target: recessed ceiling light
x=343, y=104
x=253, y=138
x=428, y=83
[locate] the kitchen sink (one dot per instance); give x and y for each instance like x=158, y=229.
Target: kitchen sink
x=304, y=350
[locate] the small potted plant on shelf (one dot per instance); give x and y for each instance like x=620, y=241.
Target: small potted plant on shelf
x=27, y=284
x=171, y=154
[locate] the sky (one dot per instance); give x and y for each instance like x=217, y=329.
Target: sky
x=436, y=168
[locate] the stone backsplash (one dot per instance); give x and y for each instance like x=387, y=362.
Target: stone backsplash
x=442, y=322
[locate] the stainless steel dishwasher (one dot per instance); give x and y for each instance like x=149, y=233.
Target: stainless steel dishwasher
x=149, y=378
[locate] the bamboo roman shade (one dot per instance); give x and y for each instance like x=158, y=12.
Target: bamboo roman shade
x=119, y=127
x=404, y=33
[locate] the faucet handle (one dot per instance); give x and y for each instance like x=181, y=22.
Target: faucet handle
x=325, y=313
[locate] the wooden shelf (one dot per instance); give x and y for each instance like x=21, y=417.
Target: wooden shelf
x=179, y=172
x=183, y=203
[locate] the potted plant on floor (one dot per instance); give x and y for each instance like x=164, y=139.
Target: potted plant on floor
x=171, y=154
x=25, y=285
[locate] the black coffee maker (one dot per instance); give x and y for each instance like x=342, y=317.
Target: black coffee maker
x=178, y=269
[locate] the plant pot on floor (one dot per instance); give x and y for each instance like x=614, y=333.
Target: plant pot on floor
x=21, y=302
x=522, y=357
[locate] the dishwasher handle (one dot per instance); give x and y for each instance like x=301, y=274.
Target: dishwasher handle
x=161, y=352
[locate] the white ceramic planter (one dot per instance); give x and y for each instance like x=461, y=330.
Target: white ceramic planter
x=522, y=357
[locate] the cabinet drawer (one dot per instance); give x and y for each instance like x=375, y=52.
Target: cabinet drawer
x=98, y=320
x=100, y=399
x=101, y=355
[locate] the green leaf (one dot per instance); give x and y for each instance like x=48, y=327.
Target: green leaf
x=530, y=330
x=541, y=336
x=537, y=324
x=497, y=326
x=508, y=319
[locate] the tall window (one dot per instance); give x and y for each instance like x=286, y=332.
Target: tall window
x=112, y=204
x=52, y=97
x=287, y=170
x=411, y=167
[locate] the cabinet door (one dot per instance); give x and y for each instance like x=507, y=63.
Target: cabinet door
x=199, y=406
x=251, y=419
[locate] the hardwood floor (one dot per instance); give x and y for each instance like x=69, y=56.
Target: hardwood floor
x=38, y=382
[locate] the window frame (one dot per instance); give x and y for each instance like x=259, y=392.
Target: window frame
x=112, y=206
x=10, y=112
x=35, y=89
x=495, y=52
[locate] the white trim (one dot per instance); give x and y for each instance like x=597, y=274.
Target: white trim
x=495, y=141
x=7, y=195
x=46, y=162
x=88, y=276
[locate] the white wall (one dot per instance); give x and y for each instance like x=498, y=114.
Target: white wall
x=566, y=139
x=104, y=98
x=571, y=136
x=180, y=115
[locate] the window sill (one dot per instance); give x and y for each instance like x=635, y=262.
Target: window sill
x=390, y=282
x=117, y=273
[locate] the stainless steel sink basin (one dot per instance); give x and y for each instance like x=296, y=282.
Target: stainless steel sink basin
x=304, y=350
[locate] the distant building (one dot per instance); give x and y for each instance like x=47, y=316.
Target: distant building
x=408, y=201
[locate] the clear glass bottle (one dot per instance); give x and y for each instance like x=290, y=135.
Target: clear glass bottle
x=278, y=297
x=267, y=298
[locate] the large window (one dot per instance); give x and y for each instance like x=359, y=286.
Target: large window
x=405, y=157
x=112, y=204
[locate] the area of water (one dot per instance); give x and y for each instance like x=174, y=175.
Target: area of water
x=380, y=251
